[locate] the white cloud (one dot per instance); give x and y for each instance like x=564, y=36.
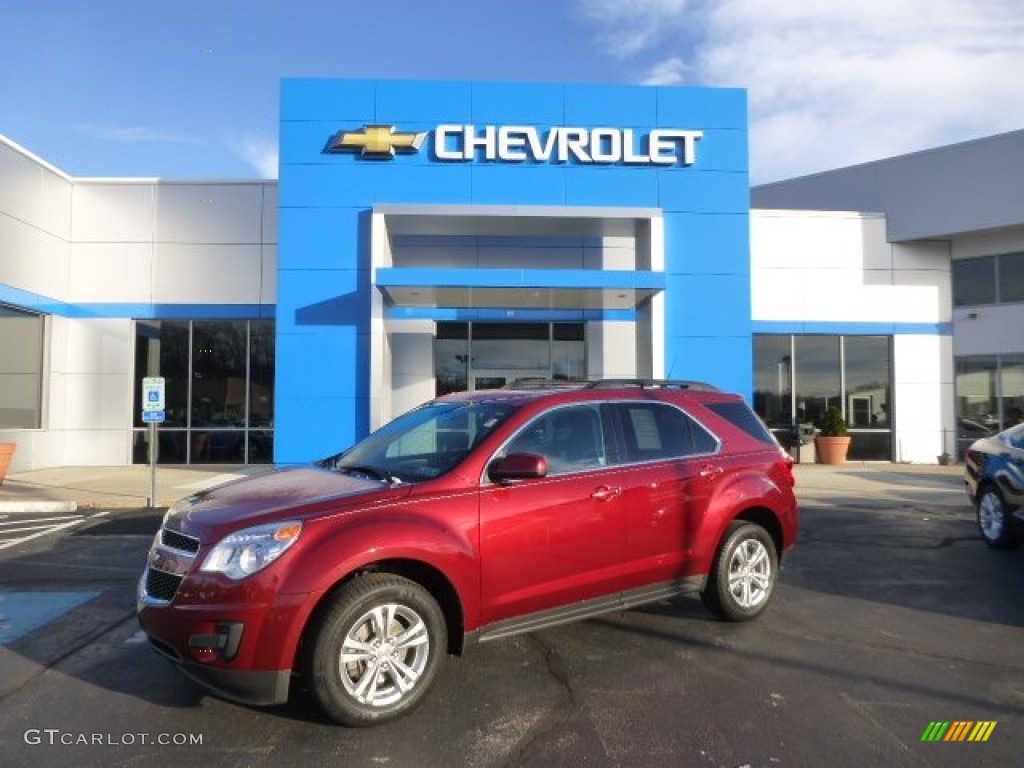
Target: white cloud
x=259, y=152
x=136, y=133
x=671, y=71
x=833, y=84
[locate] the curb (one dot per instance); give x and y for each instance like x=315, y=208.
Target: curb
x=38, y=506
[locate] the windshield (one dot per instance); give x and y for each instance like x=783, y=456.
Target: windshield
x=424, y=443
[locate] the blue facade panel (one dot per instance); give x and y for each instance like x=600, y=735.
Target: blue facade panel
x=324, y=285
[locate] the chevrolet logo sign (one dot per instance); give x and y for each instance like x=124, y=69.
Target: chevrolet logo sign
x=377, y=141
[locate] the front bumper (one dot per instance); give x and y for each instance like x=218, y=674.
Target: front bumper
x=241, y=652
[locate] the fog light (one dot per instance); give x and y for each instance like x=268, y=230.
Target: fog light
x=222, y=643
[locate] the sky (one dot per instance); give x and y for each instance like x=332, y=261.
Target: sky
x=190, y=88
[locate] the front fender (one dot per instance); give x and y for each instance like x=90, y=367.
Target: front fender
x=335, y=552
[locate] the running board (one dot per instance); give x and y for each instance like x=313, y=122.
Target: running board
x=586, y=609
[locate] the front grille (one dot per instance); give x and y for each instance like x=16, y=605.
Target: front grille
x=161, y=585
x=179, y=541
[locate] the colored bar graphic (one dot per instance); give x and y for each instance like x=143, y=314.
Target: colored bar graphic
x=958, y=730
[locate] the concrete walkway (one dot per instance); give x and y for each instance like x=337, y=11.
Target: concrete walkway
x=66, y=489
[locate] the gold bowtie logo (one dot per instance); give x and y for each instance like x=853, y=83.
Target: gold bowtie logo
x=377, y=141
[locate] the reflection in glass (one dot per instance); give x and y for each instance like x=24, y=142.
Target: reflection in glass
x=773, y=379
x=218, y=373
x=21, y=368
x=974, y=281
x=1012, y=380
x=866, y=360
x=485, y=355
x=1011, y=277
x=162, y=349
x=219, y=378
x=976, y=397
x=817, y=376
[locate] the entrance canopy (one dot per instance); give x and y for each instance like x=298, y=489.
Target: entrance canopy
x=512, y=257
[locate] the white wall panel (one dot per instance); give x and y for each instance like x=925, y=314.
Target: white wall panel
x=269, y=213
x=98, y=448
x=111, y=272
x=268, y=274
x=923, y=396
x=209, y=213
x=113, y=212
x=206, y=274
x=32, y=193
x=989, y=330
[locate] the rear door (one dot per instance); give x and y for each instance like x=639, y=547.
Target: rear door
x=671, y=465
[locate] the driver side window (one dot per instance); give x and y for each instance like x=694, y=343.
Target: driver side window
x=571, y=439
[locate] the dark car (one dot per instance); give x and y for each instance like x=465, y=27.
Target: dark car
x=476, y=516
x=994, y=478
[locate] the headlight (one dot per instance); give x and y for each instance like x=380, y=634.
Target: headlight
x=245, y=552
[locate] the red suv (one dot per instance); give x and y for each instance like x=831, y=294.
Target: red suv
x=476, y=516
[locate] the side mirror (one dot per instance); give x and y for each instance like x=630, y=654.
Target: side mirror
x=518, y=466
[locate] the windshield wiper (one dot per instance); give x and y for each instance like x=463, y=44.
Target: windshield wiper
x=366, y=469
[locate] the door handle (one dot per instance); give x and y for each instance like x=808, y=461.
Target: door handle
x=710, y=470
x=606, y=492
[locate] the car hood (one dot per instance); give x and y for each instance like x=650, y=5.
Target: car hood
x=275, y=495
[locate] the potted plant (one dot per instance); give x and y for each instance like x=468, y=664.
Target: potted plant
x=6, y=455
x=833, y=440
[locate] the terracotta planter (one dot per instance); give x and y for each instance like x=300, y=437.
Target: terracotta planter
x=6, y=454
x=832, y=450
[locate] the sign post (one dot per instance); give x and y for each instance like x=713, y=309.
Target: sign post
x=154, y=402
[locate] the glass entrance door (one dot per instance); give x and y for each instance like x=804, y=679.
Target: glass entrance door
x=470, y=356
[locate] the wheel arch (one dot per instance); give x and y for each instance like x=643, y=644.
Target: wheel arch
x=763, y=517
x=417, y=571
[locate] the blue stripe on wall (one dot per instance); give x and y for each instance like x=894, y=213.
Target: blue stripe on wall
x=519, y=278
x=44, y=304
x=853, y=329
x=512, y=315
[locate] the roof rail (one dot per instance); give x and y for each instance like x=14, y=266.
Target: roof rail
x=538, y=382
x=700, y=386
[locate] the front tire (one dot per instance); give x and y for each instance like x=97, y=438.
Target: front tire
x=746, y=568
x=374, y=653
x=994, y=520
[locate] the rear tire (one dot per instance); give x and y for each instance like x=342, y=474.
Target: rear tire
x=995, y=522
x=746, y=569
x=374, y=653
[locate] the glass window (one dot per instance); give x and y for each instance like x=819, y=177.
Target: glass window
x=1011, y=277
x=1011, y=376
x=974, y=281
x=571, y=439
x=851, y=372
x=655, y=431
x=976, y=397
x=817, y=380
x=261, y=374
x=773, y=378
x=162, y=349
x=866, y=361
x=425, y=442
x=739, y=415
x=218, y=373
x=219, y=383
x=21, y=368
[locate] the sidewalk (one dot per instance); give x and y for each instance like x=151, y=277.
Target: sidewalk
x=65, y=489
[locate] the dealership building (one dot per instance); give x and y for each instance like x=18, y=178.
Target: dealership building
x=426, y=237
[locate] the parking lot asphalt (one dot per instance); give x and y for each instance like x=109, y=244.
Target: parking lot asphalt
x=891, y=615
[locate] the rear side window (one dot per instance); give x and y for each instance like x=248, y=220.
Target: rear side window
x=739, y=415
x=655, y=431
